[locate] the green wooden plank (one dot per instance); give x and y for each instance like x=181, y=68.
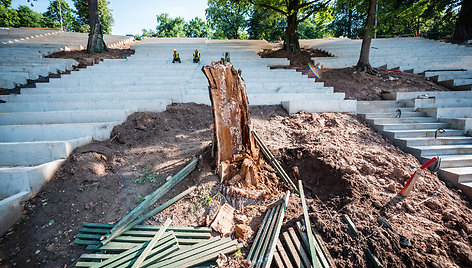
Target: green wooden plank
x=188, y=248
x=258, y=235
x=270, y=233
x=200, y=257
x=86, y=242
x=258, y=244
x=319, y=252
x=283, y=254
x=157, y=252
x=323, y=250
x=150, y=227
x=292, y=251
x=158, y=256
x=191, y=253
x=84, y=264
x=119, y=246
x=268, y=259
x=351, y=225
x=169, y=238
x=373, y=259
x=311, y=239
x=142, y=236
x=96, y=256
x=151, y=245
x=278, y=259
x=299, y=247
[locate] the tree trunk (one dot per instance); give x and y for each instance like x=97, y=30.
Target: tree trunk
x=291, y=43
x=463, y=31
x=238, y=159
x=363, y=64
x=95, y=43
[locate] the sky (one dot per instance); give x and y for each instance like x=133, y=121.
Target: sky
x=133, y=15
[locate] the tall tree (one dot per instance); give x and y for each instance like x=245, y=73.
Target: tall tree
x=8, y=16
x=363, y=64
x=95, y=43
x=170, y=27
x=196, y=28
x=349, y=17
x=56, y=13
x=82, y=15
x=29, y=18
x=463, y=30
x=295, y=11
x=227, y=18
x=266, y=24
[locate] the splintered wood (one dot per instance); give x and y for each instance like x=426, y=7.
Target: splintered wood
x=238, y=159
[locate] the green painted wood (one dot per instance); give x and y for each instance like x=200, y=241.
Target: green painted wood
x=158, y=256
x=96, y=256
x=268, y=259
x=119, y=246
x=278, y=260
x=143, y=206
x=201, y=257
x=351, y=225
x=299, y=247
x=283, y=254
x=250, y=255
x=325, y=252
x=151, y=245
x=311, y=239
x=264, y=229
x=210, y=247
x=292, y=251
x=185, y=249
x=140, y=236
x=150, y=227
x=373, y=259
x=319, y=254
x=134, y=251
x=84, y=264
x=270, y=235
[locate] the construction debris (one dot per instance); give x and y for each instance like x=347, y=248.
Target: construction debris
x=351, y=225
x=128, y=221
x=223, y=222
x=243, y=232
x=263, y=247
x=311, y=239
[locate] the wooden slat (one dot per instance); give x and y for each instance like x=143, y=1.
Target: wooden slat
x=151, y=245
x=150, y=227
x=299, y=247
x=142, y=236
x=261, y=235
x=278, y=259
x=292, y=251
x=311, y=239
x=319, y=253
x=270, y=233
x=283, y=254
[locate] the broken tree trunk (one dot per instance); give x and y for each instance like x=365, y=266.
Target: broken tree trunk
x=237, y=158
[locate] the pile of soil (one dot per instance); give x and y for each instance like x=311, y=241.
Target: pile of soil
x=364, y=87
x=85, y=59
x=298, y=61
x=346, y=168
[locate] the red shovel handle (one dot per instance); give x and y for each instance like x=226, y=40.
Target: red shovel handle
x=430, y=161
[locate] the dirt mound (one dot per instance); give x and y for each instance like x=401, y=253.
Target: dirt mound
x=298, y=61
x=85, y=59
x=349, y=169
x=363, y=86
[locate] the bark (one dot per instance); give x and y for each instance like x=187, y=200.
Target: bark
x=95, y=43
x=291, y=43
x=237, y=157
x=363, y=64
x=463, y=31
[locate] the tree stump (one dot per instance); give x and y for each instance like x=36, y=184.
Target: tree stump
x=238, y=160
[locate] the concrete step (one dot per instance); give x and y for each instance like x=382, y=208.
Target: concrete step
x=61, y=117
x=393, y=110
x=393, y=115
x=411, y=126
x=398, y=96
x=10, y=210
x=320, y=106
x=448, y=161
x=443, y=102
x=56, y=132
x=433, y=150
x=152, y=105
x=38, y=152
x=448, y=112
x=416, y=133
x=454, y=140
x=14, y=180
x=458, y=174
x=382, y=121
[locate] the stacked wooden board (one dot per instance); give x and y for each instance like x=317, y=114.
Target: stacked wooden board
x=178, y=245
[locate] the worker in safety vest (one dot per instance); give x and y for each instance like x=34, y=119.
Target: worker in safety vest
x=196, y=56
x=176, y=57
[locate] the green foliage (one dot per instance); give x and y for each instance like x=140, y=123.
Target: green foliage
x=28, y=18
x=170, y=27
x=196, y=28
x=104, y=12
x=54, y=14
x=266, y=24
x=148, y=33
x=227, y=18
x=349, y=17
x=8, y=16
x=146, y=176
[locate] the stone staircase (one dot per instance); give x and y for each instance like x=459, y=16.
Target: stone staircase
x=40, y=127
x=447, y=64
x=415, y=132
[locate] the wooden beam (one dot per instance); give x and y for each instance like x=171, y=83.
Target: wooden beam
x=311, y=239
